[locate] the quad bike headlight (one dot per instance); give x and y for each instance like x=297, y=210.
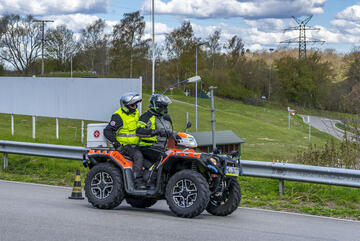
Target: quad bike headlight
x=213, y=160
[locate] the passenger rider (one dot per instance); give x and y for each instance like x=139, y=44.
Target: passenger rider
x=121, y=132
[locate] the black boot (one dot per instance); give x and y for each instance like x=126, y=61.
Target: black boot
x=140, y=183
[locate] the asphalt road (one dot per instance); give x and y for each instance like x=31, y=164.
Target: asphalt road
x=38, y=212
x=325, y=125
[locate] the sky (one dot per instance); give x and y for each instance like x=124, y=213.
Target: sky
x=260, y=23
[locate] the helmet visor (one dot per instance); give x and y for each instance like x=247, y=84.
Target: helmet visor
x=164, y=100
x=131, y=98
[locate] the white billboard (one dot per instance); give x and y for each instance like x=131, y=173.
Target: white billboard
x=76, y=98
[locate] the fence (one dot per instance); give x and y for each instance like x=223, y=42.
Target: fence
x=281, y=171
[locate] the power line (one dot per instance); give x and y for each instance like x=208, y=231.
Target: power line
x=42, y=40
x=302, y=40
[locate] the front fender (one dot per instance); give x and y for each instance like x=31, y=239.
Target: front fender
x=119, y=160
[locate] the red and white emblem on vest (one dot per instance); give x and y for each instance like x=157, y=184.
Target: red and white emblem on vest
x=112, y=123
x=96, y=134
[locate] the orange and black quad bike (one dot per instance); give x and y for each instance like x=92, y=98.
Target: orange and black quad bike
x=189, y=181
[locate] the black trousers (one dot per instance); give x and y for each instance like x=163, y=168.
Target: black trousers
x=151, y=154
x=137, y=157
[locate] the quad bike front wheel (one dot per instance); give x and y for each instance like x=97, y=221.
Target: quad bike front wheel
x=140, y=202
x=187, y=193
x=104, y=186
x=227, y=201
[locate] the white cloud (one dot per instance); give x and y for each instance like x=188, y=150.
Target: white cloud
x=351, y=13
x=53, y=7
x=160, y=28
x=267, y=25
x=76, y=22
x=345, y=26
x=248, y=9
x=348, y=27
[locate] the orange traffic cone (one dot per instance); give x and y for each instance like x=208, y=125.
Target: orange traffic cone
x=77, y=191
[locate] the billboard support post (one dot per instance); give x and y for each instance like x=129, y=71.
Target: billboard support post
x=82, y=131
x=57, y=128
x=33, y=125
x=12, y=124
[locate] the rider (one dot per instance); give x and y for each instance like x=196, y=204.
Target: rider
x=154, y=128
x=121, y=132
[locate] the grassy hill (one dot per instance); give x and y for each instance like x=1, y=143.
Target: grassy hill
x=265, y=130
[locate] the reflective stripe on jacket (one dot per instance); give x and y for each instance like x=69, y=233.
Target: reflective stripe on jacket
x=153, y=122
x=148, y=141
x=127, y=134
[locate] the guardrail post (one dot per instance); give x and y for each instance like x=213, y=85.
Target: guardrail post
x=6, y=161
x=281, y=187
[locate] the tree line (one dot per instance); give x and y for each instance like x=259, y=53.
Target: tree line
x=324, y=79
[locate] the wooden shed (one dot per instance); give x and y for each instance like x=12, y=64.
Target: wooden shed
x=226, y=140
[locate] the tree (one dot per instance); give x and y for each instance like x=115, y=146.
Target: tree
x=94, y=46
x=304, y=81
x=353, y=72
x=180, y=46
x=235, y=48
x=60, y=45
x=20, y=42
x=128, y=45
x=214, y=45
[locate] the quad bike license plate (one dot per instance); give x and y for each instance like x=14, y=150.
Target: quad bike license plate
x=232, y=171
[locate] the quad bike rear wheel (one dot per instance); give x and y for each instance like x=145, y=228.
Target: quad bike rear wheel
x=140, y=202
x=104, y=186
x=187, y=193
x=226, y=202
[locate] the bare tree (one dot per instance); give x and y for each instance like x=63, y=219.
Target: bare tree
x=235, y=47
x=214, y=46
x=128, y=45
x=179, y=45
x=20, y=42
x=60, y=45
x=94, y=45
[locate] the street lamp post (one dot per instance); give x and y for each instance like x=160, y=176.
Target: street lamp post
x=212, y=117
x=42, y=40
x=153, y=48
x=193, y=79
x=196, y=85
x=71, y=74
x=196, y=94
x=269, y=88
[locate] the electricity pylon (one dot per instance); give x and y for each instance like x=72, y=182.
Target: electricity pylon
x=302, y=40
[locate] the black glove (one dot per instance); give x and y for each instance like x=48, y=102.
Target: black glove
x=115, y=144
x=169, y=133
x=118, y=147
x=162, y=132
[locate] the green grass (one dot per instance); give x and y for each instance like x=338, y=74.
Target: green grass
x=265, y=130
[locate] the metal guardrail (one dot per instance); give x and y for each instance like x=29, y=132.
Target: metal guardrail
x=281, y=171
x=37, y=149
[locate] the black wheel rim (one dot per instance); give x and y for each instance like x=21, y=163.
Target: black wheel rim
x=102, y=185
x=184, y=193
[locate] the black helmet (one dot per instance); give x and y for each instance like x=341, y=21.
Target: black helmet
x=129, y=101
x=159, y=103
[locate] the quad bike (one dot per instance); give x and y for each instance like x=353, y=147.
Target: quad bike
x=189, y=181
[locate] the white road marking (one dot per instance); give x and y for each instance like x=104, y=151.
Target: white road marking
x=35, y=184
x=301, y=214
